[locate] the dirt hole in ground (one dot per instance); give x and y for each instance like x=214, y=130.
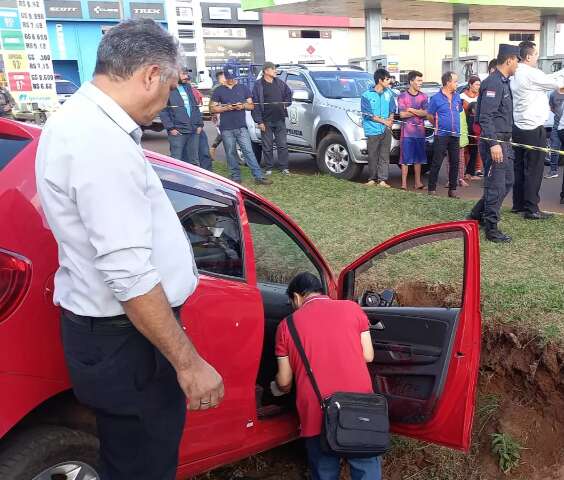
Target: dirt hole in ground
x=521, y=394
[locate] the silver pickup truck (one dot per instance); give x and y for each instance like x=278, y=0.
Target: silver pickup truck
x=324, y=118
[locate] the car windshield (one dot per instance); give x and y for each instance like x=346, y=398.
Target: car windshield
x=340, y=84
x=66, y=88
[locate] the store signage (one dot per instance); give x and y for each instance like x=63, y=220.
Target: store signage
x=249, y=16
x=154, y=11
x=220, y=13
x=220, y=51
x=225, y=32
x=63, y=9
x=108, y=10
x=25, y=53
x=8, y=3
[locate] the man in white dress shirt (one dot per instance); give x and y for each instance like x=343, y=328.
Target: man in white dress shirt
x=531, y=109
x=125, y=264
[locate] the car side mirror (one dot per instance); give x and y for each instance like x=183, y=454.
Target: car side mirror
x=302, y=96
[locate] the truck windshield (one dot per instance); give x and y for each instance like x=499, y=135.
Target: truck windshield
x=339, y=84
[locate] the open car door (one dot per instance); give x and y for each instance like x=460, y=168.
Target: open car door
x=421, y=292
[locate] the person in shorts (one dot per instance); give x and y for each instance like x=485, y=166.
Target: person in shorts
x=412, y=106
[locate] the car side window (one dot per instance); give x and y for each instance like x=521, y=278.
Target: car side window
x=214, y=233
x=278, y=255
x=297, y=82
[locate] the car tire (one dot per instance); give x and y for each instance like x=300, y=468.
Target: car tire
x=334, y=158
x=46, y=452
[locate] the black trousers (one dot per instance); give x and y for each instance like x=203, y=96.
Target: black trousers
x=529, y=168
x=497, y=184
x=275, y=133
x=441, y=146
x=473, y=156
x=133, y=390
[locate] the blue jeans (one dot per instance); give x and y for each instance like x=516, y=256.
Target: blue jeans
x=230, y=140
x=325, y=466
x=556, y=144
x=191, y=148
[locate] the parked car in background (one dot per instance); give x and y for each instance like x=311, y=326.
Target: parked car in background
x=65, y=88
x=427, y=357
x=324, y=118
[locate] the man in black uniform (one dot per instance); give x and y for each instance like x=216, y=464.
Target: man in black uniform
x=495, y=115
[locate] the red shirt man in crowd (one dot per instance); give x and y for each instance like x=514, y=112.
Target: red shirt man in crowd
x=336, y=338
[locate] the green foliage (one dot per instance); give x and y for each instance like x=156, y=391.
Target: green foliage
x=507, y=449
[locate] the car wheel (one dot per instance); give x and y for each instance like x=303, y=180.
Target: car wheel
x=333, y=157
x=46, y=453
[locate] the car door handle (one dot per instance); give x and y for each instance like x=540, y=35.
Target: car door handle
x=378, y=326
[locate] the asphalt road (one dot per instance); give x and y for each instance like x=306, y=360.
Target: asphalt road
x=305, y=164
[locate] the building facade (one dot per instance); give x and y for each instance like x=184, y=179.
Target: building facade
x=75, y=28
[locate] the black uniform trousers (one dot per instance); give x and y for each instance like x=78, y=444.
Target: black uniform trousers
x=441, y=146
x=133, y=390
x=561, y=137
x=497, y=184
x=529, y=168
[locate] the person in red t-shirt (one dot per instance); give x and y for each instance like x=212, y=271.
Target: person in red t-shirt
x=336, y=338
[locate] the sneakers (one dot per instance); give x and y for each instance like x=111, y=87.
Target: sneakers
x=383, y=184
x=268, y=172
x=551, y=175
x=479, y=174
x=263, y=181
x=453, y=194
x=370, y=183
x=285, y=172
x=432, y=192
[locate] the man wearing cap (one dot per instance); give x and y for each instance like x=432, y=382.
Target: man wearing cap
x=495, y=116
x=271, y=97
x=531, y=110
x=183, y=122
x=231, y=101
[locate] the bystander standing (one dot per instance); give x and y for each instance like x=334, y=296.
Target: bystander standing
x=412, y=105
x=556, y=102
x=469, y=97
x=220, y=80
x=378, y=106
x=444, y=111
x=530, y=111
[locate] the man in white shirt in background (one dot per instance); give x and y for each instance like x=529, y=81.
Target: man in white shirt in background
x=529, y=87
x=125, y=264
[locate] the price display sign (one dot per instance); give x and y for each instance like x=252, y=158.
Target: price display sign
x=25, y=53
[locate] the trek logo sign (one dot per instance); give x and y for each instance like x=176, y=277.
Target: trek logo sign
x=63, y=9
x=109, y=10
x=154, y=11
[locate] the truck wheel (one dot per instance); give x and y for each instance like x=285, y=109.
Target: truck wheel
x=46, y=453
x=333, y=157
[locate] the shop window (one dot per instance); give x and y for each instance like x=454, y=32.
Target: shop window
x=395, y=35
x=521, y=37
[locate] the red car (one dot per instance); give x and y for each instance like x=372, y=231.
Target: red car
x=427, y=347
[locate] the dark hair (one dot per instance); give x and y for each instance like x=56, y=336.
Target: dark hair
x=381, y=74
x=219, y=73
x=413, y=75
x=526, y=48
x=303, y=284
x=493, y=64
x=473, y=79
x=447, y=77
x=133, y=44
x=501, y=59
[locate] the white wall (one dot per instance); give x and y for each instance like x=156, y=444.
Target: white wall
x=560, y=40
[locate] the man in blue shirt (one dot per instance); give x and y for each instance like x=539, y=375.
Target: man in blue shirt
x=378, y=106
x=444, y=112
x=183, y=122
x=231, y=101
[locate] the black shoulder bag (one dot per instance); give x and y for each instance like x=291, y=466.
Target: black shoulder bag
x=354, y=424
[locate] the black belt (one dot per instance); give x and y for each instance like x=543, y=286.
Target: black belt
x=117, y=321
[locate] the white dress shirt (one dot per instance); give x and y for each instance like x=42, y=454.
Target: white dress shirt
x=117, y=232
x=529, y=87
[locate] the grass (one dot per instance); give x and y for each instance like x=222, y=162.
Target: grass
x=507, y=449
x=522, y=283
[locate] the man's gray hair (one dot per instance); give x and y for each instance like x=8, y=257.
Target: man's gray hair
x=133, y=44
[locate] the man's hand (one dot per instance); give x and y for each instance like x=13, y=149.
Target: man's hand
x=262, y=127
x=7, y=108
x=199, y=130
x=174, y=132
x=389, y=122
x=202, y=385
x=239, y=106
x=497, y=153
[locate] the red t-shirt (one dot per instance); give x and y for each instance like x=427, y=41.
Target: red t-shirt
x=330, y=333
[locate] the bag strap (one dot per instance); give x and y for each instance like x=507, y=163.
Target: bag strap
x=300, y=347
